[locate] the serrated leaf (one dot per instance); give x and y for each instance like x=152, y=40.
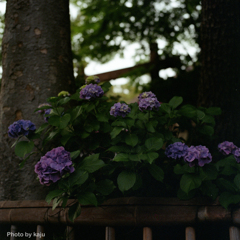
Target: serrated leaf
x=154, y=143
x=41, y=128
x=227, y=198
x=23, y=147
x=214, y=111
x=77, y=178
x=175, y=101
x=64, y=101
x=87, y=198
x=156, y=172
x=74, y=154
x=126, y=180
x=76, y=112
x=101, y=117
x=115, y=132
x=131, y=140
x=151, y=156
x=121, y=157
x=105, y=187
x=92, y=163
x=64, y=120
x=53, y=194
x=189, y=182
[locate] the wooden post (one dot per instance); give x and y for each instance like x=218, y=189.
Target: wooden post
x=190, y=233
x=40, y=232
x=110, y=233
x=147, y=233
x=70, y=233
x=234, y=233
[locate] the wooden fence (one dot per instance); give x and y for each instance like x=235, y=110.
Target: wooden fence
x=166, y=216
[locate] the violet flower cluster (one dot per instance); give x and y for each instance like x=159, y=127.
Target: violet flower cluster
x=194, y=155
x=45, y=112
x=227, y=148
x=91, y=91
x=21, y=127
x=120, y=109
x=148, y=101
x=54, y=165
x=176, y=150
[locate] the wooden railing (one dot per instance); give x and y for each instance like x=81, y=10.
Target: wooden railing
x=147, y=214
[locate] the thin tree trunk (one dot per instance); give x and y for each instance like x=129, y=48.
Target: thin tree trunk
x=37, y=64
x=220, y=78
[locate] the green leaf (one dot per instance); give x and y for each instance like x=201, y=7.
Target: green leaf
x=87, y=198
x=237, y=181
x=131, y=140
x=65, y=139
x=118, y=149
x=121, y=157
x=115, y=131
x=209, y=189
x=214, y=111
x=105, y=187
x=64, y=100
x=189, y=182
x=135, y=157
x=175, y=102
x=200, y=115
x=166, y=108
x=74, y=211
x=207, y=130
x=77, y=178
x=129, y=122
x=143, y=116
x=77, y=111
x=23, y=147
x=188, y=111
x=54, y=121
x=53, y=194
x=227, y=198
x=92, y=163
x=178, y=169
x=184, y=196
x=41, y=128
x=64, y=120
x=209, y=119
x=118, y=123
x=156, y=172
x=151, y=156
x=105, y=86
x=209, y=172
x=101, y=117
x=150, y=127
x=74, y=154
x=226, y=185
x=154, y=143
x=126, y=180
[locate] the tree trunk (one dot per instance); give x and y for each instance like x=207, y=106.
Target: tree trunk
x=220, y=78
x=37, y=64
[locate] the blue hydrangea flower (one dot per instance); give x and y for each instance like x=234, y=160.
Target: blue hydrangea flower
x=92, y=79
x=176, y=150
x=46, y=117
x=21, y=127
x=226, y=147
x=120, y=109
x=198, y=155
x=53, y=166
x=91, y=91
x=146, y=95
x=236, y=154
x=148, y=104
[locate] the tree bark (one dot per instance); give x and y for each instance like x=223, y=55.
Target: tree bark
x=37, y=64
x=220, y=78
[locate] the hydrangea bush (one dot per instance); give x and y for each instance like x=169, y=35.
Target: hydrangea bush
x=94, y=149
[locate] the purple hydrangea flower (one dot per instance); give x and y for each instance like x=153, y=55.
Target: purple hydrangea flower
x=91, y=91
x=176, y=150
x=92, y=79
x=21, y=127
x=53, y=166
x=226, y=147
x=149, y=104
x=237, y=155
x=146, y=95
x=198, y=155
x=42, y=111
x=120, y=109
